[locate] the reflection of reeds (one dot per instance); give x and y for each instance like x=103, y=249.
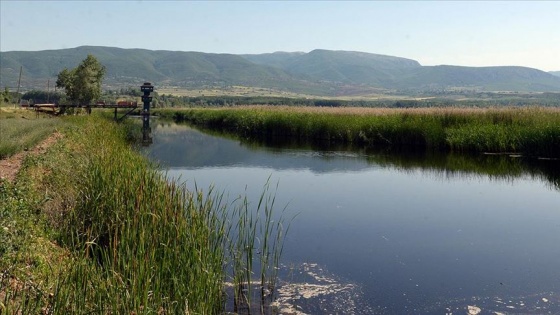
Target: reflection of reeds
x=531, y=131
x=139, y=244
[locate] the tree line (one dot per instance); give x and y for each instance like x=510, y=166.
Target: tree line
x=171, y=101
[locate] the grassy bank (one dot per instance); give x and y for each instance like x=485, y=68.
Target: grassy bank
x=92, y=228
x=529, y=131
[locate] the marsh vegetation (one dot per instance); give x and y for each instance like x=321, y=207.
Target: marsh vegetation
x=93, y=227
x=527, y=131
x=383, y=232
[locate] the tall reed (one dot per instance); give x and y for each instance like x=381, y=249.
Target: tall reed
x=530, y=131
x=255, y=247
x=139, y=243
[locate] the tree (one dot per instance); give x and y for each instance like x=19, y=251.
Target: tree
x=5, y=97
x=38, y=96
x=83, y=83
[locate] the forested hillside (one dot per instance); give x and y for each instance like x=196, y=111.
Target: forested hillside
x=319, y=72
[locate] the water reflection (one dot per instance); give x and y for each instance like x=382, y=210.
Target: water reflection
x=227, y=150
x=415, y=233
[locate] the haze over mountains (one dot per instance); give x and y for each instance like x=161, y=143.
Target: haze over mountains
x=319, y=72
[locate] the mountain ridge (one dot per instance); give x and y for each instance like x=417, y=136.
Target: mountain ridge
x=318, y=72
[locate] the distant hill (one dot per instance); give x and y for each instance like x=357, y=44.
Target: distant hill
x=481, y=78
x=319, y=72
x=358, y=68
x=277, y=59
x=556, y=73
x=347, y=67
x=134, y=66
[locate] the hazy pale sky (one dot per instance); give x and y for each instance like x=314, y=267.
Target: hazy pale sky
x=468, y=33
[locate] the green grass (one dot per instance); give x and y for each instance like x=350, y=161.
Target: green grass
x=22, y=129
x=142, y=244
x=530, y=131
x=134, y=242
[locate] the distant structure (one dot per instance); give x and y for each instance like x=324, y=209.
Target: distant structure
x=147, y=88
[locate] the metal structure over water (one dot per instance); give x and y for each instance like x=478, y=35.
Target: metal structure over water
x=146, y=88
x=58, y=109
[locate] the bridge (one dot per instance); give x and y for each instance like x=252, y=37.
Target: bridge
x=129, y=107
x=57, y=109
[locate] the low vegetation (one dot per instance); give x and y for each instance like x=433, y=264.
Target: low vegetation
x=22, y=129
x=528, y=131
x=92, y=227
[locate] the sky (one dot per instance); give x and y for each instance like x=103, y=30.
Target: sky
x=466, y=33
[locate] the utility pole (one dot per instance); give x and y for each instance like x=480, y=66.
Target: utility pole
x=18, y=85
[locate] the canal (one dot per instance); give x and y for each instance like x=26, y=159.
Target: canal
x=387, y=233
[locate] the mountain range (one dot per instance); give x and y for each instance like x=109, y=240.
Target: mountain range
x=319, y=72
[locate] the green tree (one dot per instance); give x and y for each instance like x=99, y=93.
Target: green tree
x=38, y=96
x=5, y=97
x=83, y=83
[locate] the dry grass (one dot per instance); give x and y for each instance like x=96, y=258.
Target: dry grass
x=246, y=91
x=364, y=111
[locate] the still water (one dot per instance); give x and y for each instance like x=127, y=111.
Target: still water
x=376, y=233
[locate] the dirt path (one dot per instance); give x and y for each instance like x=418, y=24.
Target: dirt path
x=10, y=167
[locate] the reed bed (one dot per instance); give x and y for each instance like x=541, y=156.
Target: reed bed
x=529, y=131
x=138, y=243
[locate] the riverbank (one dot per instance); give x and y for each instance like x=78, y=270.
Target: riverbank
x=533, y=132
x=91, y=226
x=125, y=240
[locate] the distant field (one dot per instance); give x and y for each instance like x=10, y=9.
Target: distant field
x=229, y=91
x=246, y=91
x=461, y=96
